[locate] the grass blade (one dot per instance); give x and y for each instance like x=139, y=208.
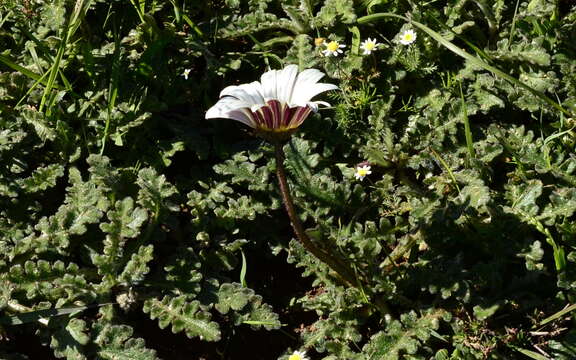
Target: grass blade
x=557, y=315
x=474, y=60
x=531, y=354
x=32, y=75
x=54, y=70
x=447, y=168
x=467, y=132
x=192, y=25
x=243, y=270
x=112, y=88
x=42, y=315
x=513, y=30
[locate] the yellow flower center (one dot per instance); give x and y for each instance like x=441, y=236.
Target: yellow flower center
x=370, y=46
x=332, y=46
x=361, y=172
x=408, y=37
x=295, y=357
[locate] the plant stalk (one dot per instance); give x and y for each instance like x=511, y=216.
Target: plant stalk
x=346, y=274
x=341, y=269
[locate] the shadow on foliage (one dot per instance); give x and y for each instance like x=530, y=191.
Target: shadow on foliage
x=480, y=265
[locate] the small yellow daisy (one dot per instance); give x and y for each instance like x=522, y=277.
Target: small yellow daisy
x=298, y=355
x=319, y=41
x=407, y=37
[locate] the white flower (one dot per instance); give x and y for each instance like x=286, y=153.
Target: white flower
x=298, y=355
x=368, y=46
x=333, y=48
x=362, y=171
x=276, y=105
x=407, y=37
x=186, y=73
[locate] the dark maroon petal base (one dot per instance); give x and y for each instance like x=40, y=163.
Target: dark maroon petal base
x=278, y=117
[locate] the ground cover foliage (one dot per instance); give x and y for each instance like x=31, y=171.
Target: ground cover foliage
x=125, y=216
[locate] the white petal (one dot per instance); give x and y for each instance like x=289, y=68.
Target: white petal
x=302, y=95
x=250, y=93
x=308, y=76
x=269, y=82
x=314, y=104
x=231, y=108
x=306, y=87
x=243, y=115
x=285, y=83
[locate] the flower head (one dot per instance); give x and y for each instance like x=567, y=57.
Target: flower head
x=368, y=46
x=276, y=105
x=333, y=48
x=362, y=171
x=298, y=355
x=319, y=41
x=407, y=37
x=186, y=73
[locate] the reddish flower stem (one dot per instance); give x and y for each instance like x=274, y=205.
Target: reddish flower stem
x=341, y=269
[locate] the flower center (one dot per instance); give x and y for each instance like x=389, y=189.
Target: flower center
x=362, y=172
x=369, y=46
x=295, y=357
x=332, y=46
x=408, y=37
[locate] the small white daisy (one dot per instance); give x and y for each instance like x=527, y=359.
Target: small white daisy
x=407, y=37
x=186, y=73
x=298, y=355
x=333, y=48
x=369, y=45
x=362, y=171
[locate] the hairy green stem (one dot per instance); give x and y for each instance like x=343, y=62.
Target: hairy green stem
x=344, y=271
x=341, y=269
